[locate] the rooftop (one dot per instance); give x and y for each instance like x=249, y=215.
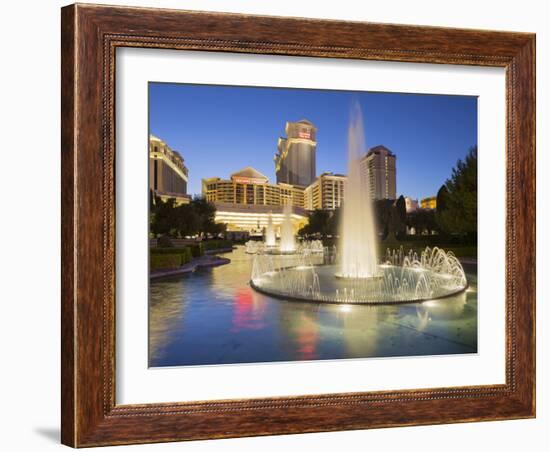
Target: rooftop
x=250, y=173
x=330, y=173
x=380, y=149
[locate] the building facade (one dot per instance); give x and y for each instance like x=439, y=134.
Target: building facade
x=249, y=186
x=254, y=219
x=429, y=203
x=168, y=175
x=378, y=166
x=246, y=200
x=326, y=192
x=295, y=159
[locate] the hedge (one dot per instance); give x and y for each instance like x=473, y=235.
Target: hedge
x=196, y=250
x=168, y=258
x=164, y=261
x=180, y=251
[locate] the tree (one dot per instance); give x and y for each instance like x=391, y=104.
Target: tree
x=382, y=212
x=195, y=218
x=457, y=213
x=186, y=220
x=441, y=205
x=422, y=220
x=163, y=216
x=206, y=212
x=391, y=217
x=399, y=217
x=334, y=222
x=318, y=224
x=216, y=228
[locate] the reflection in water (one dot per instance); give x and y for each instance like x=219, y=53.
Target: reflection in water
x=248, y=312
x=166, y=313
x=213, y=317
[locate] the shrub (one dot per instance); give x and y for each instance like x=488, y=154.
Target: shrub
x=169, y=258
x=164, y=261
x=197, y=249
x=186, y=256
x=174, y=250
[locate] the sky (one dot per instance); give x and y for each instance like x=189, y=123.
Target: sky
x=219, y=130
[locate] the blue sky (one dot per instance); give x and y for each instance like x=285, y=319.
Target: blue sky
x=221, y=129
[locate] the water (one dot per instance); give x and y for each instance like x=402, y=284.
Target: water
x=287, y=231
x=358, y=236
x=270, y=232
x=214, y=317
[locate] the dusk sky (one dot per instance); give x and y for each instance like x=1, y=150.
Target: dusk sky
x=221, y=129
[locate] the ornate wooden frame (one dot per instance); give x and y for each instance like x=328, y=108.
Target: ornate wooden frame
x=90, y=35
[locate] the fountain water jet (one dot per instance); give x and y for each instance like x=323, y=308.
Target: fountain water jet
x=357, y=236
x=270, y=232
x=288, y=244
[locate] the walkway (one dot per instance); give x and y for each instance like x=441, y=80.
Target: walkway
x=203, y=261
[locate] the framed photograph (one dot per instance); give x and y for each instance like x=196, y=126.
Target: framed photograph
x=282, y=225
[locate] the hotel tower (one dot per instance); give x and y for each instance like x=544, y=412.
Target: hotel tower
x=168, y=175
x=378, y=166
x=295, y=158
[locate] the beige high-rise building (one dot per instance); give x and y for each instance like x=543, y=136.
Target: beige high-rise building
x=326, y=192
x=378, y=166
x=168, y=175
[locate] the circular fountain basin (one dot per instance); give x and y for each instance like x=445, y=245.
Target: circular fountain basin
x=379, y=275
x=277, y=251
x=314, y=247
x=392, y=284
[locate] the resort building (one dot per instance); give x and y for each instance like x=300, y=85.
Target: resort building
x=295, y=158
x=249, y=186
x=429, y=203
x=245, y=201
x=326, y=192
x=378, y=165
x=168, y=175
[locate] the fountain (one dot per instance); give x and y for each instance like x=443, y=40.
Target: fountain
x=358, y=235
x=306, y=246
x=356, y=276
x=288, y=244
x=270, y=232
x=434, y=274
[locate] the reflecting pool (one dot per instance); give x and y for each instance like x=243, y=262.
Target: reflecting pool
x=213, y=316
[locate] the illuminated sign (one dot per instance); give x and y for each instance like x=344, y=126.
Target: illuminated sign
x=304, y=134
x=247, y=180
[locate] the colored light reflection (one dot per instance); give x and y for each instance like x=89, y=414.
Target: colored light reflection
x=307, y=339
x=246, y=314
